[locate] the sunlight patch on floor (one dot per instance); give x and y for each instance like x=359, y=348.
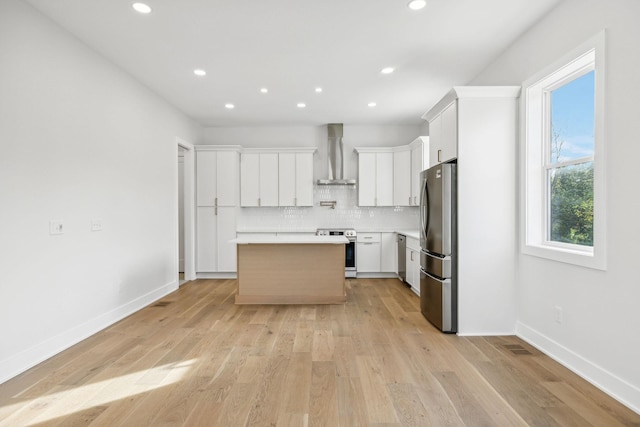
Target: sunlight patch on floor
x=65, y=402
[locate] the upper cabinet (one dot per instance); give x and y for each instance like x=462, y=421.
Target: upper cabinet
x=217, y=176
x=259, y=179
x=402, y=177
x=276, y=177
x=419, y=162
x=295, y=179
x=375, y=177
x=390, y=176
x=443, y=133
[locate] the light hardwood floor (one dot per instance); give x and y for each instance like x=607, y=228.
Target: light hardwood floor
x=196, y=358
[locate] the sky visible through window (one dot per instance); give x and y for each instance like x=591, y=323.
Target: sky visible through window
x=572, y=119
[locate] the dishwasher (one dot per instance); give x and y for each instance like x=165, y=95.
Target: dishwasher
x=402, y=257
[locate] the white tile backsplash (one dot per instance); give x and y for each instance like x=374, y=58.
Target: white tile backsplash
x=347, y=214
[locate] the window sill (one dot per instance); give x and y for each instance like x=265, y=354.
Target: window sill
x=588, y=259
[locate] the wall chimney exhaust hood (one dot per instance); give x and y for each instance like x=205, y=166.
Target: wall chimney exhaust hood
x=335, y=157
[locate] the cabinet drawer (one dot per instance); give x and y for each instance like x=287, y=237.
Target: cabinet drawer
x=368, y=238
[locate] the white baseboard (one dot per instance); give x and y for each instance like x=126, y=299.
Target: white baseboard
x=616, y=387
x=30, y=357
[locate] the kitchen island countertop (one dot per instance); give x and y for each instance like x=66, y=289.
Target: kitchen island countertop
x=291, y=239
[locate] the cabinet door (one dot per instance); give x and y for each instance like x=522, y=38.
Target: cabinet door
x=402, y=178
x=449, y=146
x=384, y=179
x=227, y=255
x=304, y=179
x=269, y=179
x=435, y=140
x=207, y=240
x=367, y=179
x=418, y=164
x=409, y=267
x=249, y=179
x=227, y=178
x=206, y=178
x=287, y=179
x=389, y=252
x=368, y=257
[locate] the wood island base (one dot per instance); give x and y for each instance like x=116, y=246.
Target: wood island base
x=294, y=273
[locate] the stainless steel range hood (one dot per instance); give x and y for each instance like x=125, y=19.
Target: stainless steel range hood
x=335, y=157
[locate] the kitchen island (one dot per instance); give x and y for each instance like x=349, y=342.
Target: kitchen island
x=291, y=270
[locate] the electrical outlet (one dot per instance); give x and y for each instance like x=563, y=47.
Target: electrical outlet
x=558, y=314
x=96, y=224
x=56, y=227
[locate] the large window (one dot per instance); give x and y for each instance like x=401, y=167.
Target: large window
x=563, y=159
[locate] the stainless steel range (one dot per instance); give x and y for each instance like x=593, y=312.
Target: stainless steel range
x=350, y=248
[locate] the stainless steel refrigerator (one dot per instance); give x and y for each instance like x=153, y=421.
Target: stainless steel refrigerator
x=438, y=242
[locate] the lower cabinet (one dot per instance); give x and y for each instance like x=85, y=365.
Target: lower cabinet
x=413, y=264
x=368, y=253
x=377, y=253
x=216, y=229
x=389, y=253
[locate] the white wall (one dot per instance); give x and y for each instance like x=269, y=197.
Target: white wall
x=599, y=335
x=80, y=140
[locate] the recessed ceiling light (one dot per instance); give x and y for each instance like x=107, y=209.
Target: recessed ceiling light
x=387, y=70
x=229, y=106
x=264, y=90
x=301, y=105
x=142, y=8
x=372, y=104
x=199, y=72
x=417, y=4
x=318, y=89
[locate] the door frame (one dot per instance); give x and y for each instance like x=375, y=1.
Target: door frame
x=189, y=210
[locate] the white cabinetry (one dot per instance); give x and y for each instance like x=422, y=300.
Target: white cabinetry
x=216, y=200
x=259, y=179
x=419, y=162
x=276, y=177
x=388, y=252
x=295, y=183
x=402, y=177
x=375, y=177
x=413, y=264
x=483, y=121
x=443, y=133
x=368, y=252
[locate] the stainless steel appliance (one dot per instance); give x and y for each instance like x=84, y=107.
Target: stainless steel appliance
x=438, y=242
x=402, y=257
x=350, y=248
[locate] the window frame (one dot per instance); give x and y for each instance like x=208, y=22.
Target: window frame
x=536, y=159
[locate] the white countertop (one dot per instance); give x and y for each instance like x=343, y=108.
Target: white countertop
x=415, y=234
x=291, y=239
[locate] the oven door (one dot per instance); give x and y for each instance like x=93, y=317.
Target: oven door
x=350, y=258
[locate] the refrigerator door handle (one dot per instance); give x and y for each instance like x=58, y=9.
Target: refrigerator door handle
x=424, y=219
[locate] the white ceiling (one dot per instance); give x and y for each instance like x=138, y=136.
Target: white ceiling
x=293, y=46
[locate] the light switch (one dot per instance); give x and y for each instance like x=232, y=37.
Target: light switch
x=56, y=227
x=96, y=224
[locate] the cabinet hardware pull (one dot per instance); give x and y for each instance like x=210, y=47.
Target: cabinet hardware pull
x=439, y=151
x=216, y=211
x=216, y=201
x=411, y=255
x=259, y=202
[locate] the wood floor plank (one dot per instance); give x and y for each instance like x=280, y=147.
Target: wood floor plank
x=195, y=358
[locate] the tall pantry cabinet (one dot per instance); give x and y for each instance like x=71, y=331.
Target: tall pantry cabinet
x=217, y=188
x=477, y=126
